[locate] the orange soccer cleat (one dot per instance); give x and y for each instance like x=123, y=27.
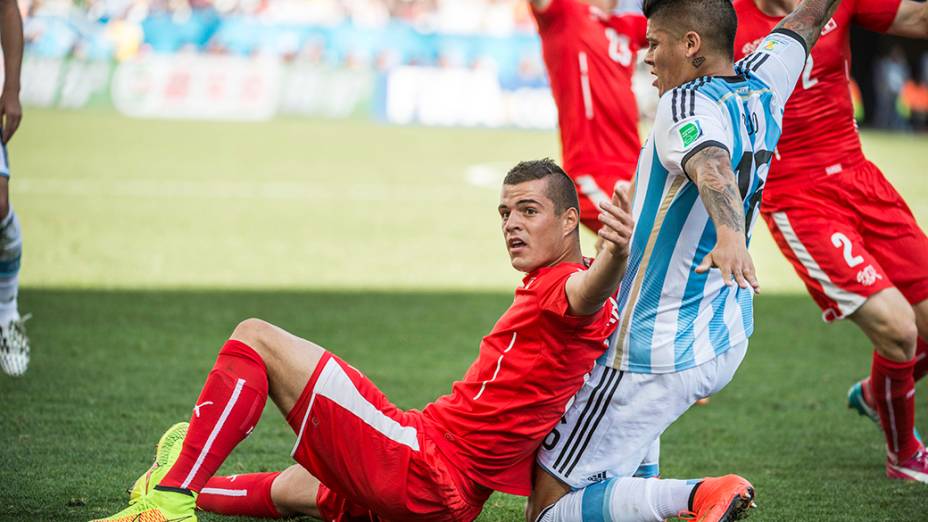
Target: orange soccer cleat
x=720, y=499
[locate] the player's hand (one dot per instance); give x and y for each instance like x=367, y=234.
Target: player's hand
x=618, y=224
x=731, y=257
x=11, y=113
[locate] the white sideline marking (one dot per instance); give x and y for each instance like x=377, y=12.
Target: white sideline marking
x=487, y=175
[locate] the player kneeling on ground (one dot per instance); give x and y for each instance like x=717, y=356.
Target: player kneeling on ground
x=365, y=457
x=683, y=328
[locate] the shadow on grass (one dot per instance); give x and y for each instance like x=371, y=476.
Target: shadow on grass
x=112, y=369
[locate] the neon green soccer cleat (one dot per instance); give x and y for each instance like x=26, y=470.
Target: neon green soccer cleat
x=158, y=506
x=166, y=452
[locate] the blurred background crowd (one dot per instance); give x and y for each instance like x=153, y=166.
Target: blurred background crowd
x=380, y=35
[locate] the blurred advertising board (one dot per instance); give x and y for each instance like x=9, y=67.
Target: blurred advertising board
x=197, y=87
x=202, y=87
x=466, y=97
x=53, y=82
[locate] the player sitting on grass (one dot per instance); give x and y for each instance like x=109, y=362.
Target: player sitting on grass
x=374, y=460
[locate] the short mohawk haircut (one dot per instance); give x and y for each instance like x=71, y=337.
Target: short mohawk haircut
x=560, y=187
x=714, y=20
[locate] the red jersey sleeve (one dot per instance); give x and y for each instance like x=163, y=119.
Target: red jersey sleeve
x=551, y=292
x=876, y=15
x=635, y=26
x=555, y=12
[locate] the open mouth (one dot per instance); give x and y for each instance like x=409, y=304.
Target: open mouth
x=515, y=243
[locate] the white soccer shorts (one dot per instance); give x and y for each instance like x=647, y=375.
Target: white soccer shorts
x=617, y=418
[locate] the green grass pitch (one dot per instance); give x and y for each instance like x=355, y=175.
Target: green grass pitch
x=147, y=241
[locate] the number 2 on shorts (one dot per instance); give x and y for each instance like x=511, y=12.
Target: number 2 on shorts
x=839, y=240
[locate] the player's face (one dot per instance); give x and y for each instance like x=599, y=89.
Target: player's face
x=534, y=232
x=667, y=57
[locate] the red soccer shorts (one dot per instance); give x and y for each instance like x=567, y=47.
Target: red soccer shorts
x=848, y=237
x=596, y=185
x=374, y=460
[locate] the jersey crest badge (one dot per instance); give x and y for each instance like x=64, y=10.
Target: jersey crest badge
x=690, y=132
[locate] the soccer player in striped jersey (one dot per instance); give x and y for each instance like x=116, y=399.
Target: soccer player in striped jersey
x=686, y=299
x=14, y=345
x=590, y=48
x=848, y=233
x=367, y=458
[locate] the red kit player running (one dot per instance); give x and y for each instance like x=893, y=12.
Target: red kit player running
x=848, y=233
x=372, y=460
x=590, y=55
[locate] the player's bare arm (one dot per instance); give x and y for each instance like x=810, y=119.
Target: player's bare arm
x=711, y=170
x=540, y=5
x=911, y=20
x=587, y=291
x=11, y=40
x=809, y=18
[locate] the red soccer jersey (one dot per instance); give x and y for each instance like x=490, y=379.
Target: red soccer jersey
x=590, y=57
x=529, y=367
x=819, y=133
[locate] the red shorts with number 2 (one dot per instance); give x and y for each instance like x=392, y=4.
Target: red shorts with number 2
x=849, y=236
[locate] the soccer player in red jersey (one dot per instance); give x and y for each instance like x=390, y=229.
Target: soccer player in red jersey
x=848, y=233
x=589, y=53
x=369, y=459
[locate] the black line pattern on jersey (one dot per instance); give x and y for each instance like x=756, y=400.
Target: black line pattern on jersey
x=687, y=92
x=747, y=62
x=699, y=83
x=757, y=65
x=592, y=404
x=602, y=413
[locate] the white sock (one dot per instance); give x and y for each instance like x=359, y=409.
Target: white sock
x=11, y=247
x=627, y=499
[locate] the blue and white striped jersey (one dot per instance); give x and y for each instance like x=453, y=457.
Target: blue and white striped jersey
x=671, y=317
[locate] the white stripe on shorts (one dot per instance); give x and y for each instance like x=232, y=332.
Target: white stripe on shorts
x=848, y=302
x=333, y=383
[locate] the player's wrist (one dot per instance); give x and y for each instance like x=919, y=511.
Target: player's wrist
x=11, y=89
x=729, y=236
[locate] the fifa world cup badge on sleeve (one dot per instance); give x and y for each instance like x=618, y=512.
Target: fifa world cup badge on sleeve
x=689, y=133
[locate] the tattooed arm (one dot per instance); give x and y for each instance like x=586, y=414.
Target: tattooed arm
x=809, y=18
x=711, y=170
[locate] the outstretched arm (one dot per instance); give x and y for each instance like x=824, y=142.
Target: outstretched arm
x=540, y=5
x=711, y=170
x=809, y=18
x=911, y=20
x=11, y=41
x=587, y=291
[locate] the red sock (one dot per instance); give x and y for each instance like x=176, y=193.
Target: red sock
x=228, y=409
x=247, y=495
x=921, y=359
x=894, y=396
